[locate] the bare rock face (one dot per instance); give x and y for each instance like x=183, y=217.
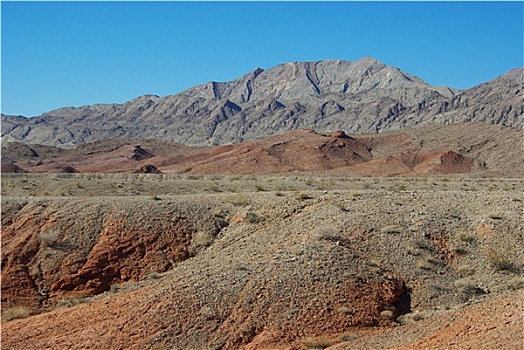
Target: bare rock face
x=358, y=97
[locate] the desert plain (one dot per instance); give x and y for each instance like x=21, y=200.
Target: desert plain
x=278, y=261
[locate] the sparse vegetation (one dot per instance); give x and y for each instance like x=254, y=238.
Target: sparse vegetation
x=49, y=238
x=254, y=218
x=391, y=229
x=500, y=261
x=467, y=286
x=239, y=200
x=466, y=236
x=516, y=283
x=71, y=301
x=301, y=196
x=203, y=239
x=345, y=310
x=387, y=314
x=410, y=317
x=15, y=313
x=316, y=343
x=435, y=243
x=495, y=216
x=466, y=270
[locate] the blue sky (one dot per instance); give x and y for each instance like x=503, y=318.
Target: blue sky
x=57, y=54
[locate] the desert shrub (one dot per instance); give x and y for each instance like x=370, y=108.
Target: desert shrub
x=387, y=314
x=466, y=236
x=254, y=218
x=301, y=196
x=155, y=276
x=347, y=337
x=423, y=244
x=72, y=301
x=239, y=200
x=260, y=188
x=516, y=283
x=216, y=188
x=49, y=238
x=310, y=182
x=410, y=317
x=467, y=286
x=324, y=233
x=459, y=250
x=466, y=270
x=317, y=342
x=437, y=287
x=500, y=261
x=495, y=216
x=15, y=313
x=203, y=239
x=343, y=207
x=428, y=262
x=391, y=229
x=423, y=264
x=344, y=310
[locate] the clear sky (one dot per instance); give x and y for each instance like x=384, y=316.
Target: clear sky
x=57, y=54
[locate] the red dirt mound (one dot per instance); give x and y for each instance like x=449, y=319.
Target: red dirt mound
x=453, y=149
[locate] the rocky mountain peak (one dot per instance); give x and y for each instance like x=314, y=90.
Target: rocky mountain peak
x=360, y=97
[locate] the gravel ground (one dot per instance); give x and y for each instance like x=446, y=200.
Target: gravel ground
x=368, y=267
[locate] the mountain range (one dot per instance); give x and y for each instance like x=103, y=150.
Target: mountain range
x=365, y=96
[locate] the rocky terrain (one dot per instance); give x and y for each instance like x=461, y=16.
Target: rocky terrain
x=260, y=262
x=460, y=149
x=316, y=205
x=365, y=96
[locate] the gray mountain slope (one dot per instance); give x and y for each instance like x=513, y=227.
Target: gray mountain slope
x=358, y=97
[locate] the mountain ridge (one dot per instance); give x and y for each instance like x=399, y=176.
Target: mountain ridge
x=359, y=97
